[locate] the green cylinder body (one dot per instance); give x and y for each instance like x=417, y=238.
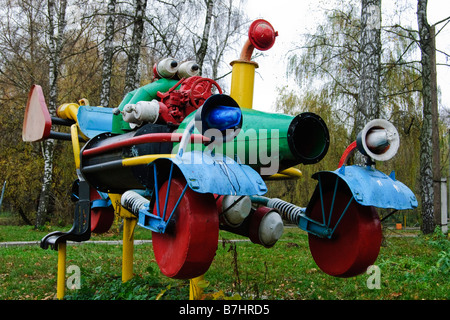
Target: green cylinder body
x=145, y=93
x=271, y=142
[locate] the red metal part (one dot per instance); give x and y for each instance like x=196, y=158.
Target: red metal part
x=101, y=218
x=145, y=138
x=262, y=34
x=187, y=250
x=175, y=104
x=347, y=153
x=201, y=90
x=355, y=243
x=255, y=222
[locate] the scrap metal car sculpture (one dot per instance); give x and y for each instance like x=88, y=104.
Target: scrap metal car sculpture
x=184, y=160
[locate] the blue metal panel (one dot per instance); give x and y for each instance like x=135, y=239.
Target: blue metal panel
x=219, y=174
x=371, y=187
x=94, y=120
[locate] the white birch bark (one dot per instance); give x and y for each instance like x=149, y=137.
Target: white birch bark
x=368, y=102
x=108, y=54
x=132, y=76
x=369, y=59
x=55, y=31
x=201, y=53
x=426, y=147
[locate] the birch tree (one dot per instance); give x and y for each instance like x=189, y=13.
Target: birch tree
x=201, y=52
x=55, y=34
x=132, y=74
x=227, y=31
x=368, y=102
x=108, y=53
x=426, y=147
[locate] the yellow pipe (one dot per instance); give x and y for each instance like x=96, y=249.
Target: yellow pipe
x=68, y=111
x=279, y=176
x=61, y=278
x=293, y=172
x=75, y=144
x=128, y=248
x=287, y=174
x=242, y=82
x=195, y=292
x=136, y=161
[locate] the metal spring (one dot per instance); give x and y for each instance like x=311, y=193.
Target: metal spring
x=133, y=201
x=288, y=211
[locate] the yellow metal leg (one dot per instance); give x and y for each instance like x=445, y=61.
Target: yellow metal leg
x=195, y=292
x=61, y=279
x=128, y=248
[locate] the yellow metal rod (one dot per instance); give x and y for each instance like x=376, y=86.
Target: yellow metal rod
x=195, y=292
x=287, y=174
x=61, y=278
x=128, y=248
x=75, y=145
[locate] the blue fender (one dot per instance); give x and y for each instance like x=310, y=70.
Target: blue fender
x=217, y=174
x=371, y=187
x=94, y=120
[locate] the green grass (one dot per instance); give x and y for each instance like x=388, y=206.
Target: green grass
x=411, y=268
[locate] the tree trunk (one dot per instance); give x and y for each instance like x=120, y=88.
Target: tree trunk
x=368, y=103
x=435, y=131
x=426, y=146
x=55, y=33
x=132, y=76
x=108, y=53
x=201, y=52
x=48, y=147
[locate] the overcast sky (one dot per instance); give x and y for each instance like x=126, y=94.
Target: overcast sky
x=292, y=18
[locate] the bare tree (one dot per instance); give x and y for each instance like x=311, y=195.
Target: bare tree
x=108, y=53
x=132, y=74
x=55, y=33
x=368, y=102
x=426, y=146
x=201, y=52
x=228, y=29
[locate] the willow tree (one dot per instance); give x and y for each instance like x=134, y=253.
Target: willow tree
x=332, y=66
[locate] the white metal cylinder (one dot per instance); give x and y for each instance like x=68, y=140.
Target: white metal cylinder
x=147, y=111
x=271, y=228
x=235, y=209
x=377, y=140
x=167, y=68
x=188, y=69
x=128, y=114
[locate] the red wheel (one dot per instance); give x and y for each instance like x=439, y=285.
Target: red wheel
x=201, y=90
x=356, y=241
x=187, y=248
x=102, y=218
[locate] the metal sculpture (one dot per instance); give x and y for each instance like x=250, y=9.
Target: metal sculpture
x=183, y=159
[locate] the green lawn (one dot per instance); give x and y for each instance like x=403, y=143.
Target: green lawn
x=411, y=268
